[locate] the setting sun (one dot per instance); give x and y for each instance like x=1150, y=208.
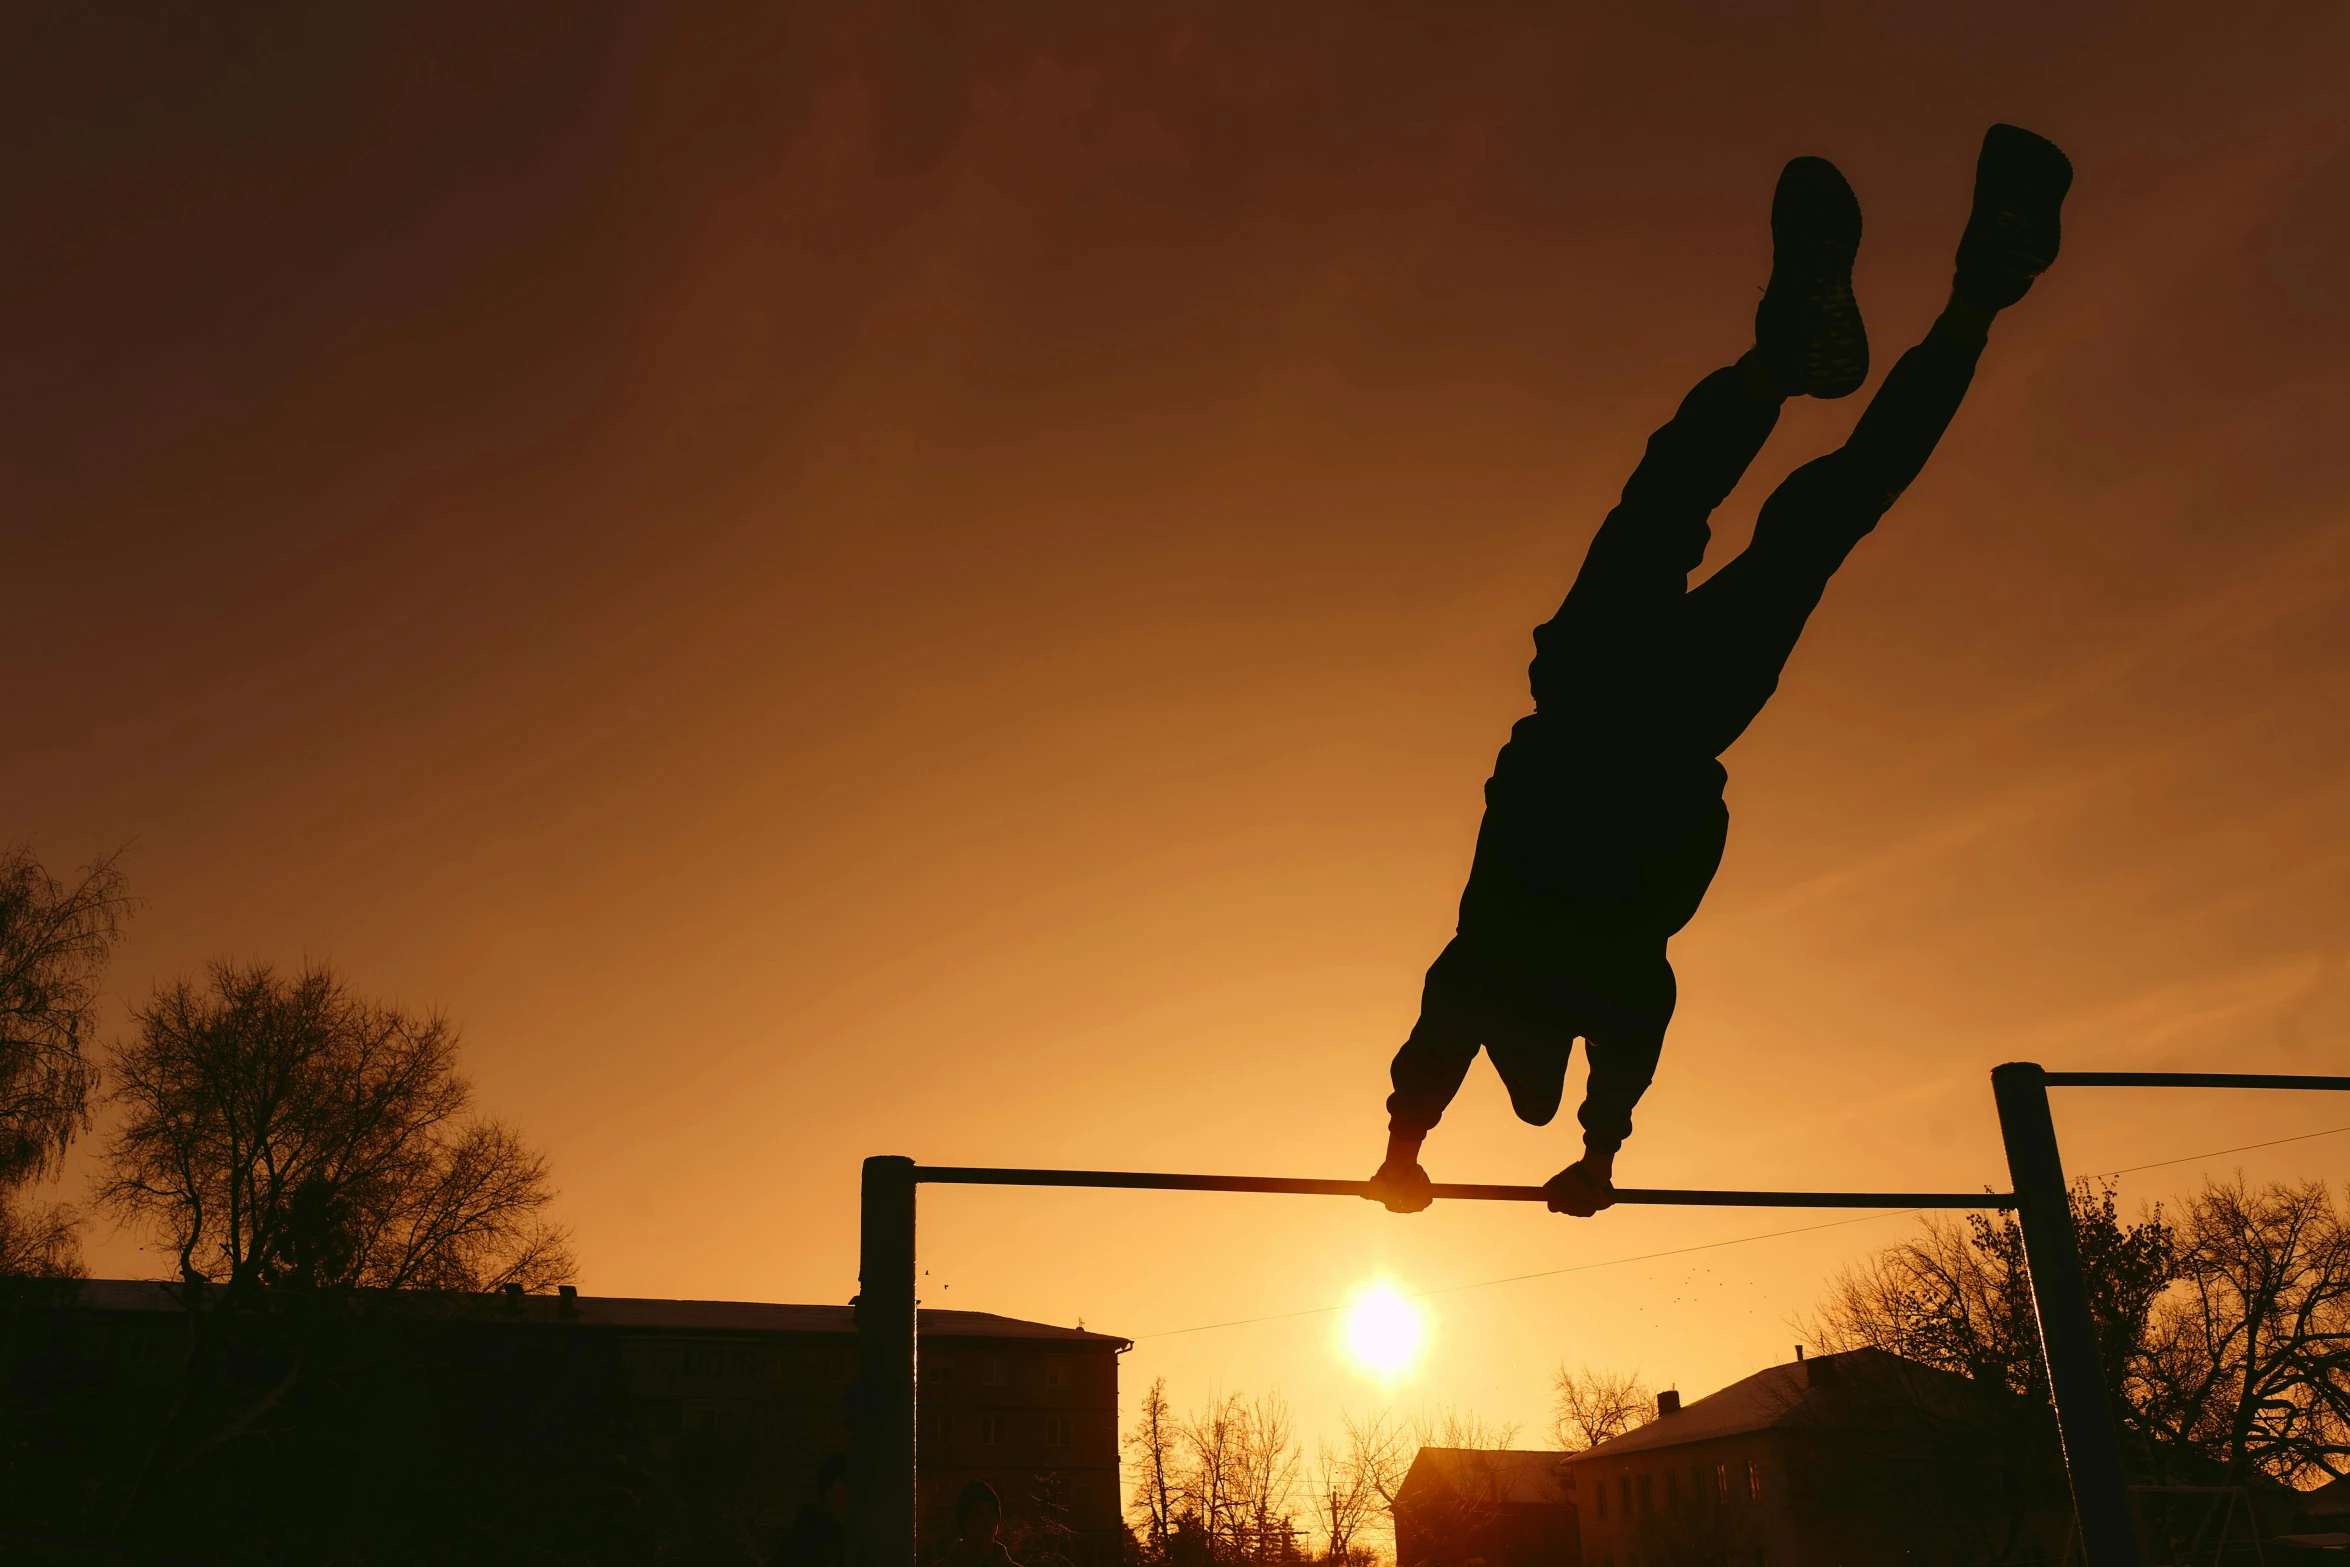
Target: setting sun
x=1384, y=1332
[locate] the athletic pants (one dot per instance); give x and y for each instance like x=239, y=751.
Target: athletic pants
x=1604, y=818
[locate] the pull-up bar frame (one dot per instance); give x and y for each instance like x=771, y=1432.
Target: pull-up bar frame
x=1293, y=1186
x=882, y=1497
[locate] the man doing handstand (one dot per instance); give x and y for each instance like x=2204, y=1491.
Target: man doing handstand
x=1604, y=820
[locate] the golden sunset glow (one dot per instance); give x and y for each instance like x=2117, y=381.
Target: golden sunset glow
x=1383, y=1332
x=946, y=580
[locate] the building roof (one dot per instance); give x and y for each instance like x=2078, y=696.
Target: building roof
x=1506, y=1475
x=1847, y=1389
x=689, y=1316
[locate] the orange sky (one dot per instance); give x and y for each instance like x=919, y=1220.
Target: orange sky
x=944, y=581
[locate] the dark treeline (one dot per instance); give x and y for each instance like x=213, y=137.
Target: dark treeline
x=2224, y=1326
x=341, y=1228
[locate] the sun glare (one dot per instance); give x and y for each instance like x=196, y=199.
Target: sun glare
x=1384, y=1332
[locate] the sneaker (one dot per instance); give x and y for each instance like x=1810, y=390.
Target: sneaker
x=2011, y=236
x=1808, y=328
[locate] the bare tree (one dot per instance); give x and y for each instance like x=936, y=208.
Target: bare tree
x=1153, y=1449
x=2248, y=1358
x=1355, y=1485
x=290, y=1141
x=1216, y=1489
x=1959, y=1297
x=1216, y=1476
x=1449, y=1427
x=2225, y=1333
x=285, y=1132
x=1269, y=1476
x=1590, y=1407
x=55, y=941
x=39, y=1243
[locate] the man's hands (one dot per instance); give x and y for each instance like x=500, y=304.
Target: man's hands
x=1400, y=1183
x=1581, y=1189
x=1584, y=1187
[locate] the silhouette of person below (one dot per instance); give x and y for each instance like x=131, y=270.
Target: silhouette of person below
x=819, y=1536
x=979, y=1513
x=1604, y=818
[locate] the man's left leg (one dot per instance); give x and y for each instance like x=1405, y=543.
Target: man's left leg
x=1623, y=1034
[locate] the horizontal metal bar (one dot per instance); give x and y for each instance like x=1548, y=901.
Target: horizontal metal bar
x=1674, y=1197
x=2193, y=1080
x=1657, y=1196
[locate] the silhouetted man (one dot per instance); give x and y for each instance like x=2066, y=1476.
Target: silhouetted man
x=979, y=1514
x=1604, y=820
x=819, y=1536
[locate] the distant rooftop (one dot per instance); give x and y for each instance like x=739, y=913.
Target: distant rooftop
x=1506, y=1475
x=1841, y=1389
x=696, y=1316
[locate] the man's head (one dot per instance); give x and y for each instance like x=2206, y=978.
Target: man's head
x=979, y=1512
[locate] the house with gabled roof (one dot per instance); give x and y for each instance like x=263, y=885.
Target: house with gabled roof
x=1496, y=1506
x=1858, y=1459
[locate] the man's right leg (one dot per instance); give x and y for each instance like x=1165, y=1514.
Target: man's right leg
x=1808, y=340
x=1743, y=622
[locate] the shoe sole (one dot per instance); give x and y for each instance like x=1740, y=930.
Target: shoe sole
x=1815, y=234
x=2016, y=226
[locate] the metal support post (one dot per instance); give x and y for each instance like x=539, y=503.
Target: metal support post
x=881, y=1428
x=2068, y=1334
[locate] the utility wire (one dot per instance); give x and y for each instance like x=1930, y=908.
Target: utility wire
x=1735, y=1240
x=2331, y=1131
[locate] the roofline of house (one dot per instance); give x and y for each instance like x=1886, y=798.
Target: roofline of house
x=623, y=1313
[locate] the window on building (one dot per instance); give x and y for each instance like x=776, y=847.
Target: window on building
x=1056, y=1372
x=1624, y=1493
x=1599, y=1492
x=997, y=1373
x=1647, y=1495
x=1722, y=1484
x=840, y=1365
x=1055, y=1490
x=1057, y=1431
x=992, y=1430
x=1753, y=1481
x=1672, y=1490
x=942, y=1428
x=938, y=1371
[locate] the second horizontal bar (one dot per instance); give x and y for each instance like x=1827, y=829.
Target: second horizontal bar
x=1299, y=1186
x=2194, y=1080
